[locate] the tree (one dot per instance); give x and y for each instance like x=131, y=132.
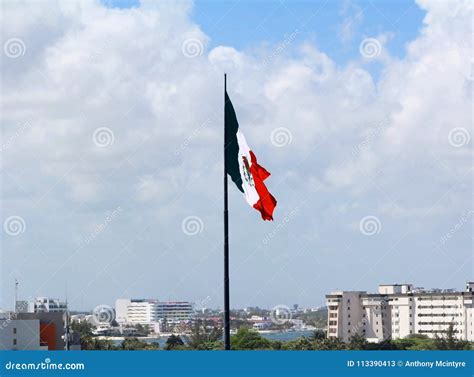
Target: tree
x=300, y=344
x=450, y=341
x=142, y=330
x=246, y=339
x=414, y=342
x=329, y=344
x=94, y=344
x=174, y=342
x=132, y=344
x=318, y=335
x=357, y=342
x=203, y=338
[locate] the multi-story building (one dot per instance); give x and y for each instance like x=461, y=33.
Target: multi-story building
x=19, y=334
x=398, y=310
x=32, y=331
x=41, y=305
x=144, y=311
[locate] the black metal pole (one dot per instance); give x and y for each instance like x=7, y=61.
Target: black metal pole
x=226, y=243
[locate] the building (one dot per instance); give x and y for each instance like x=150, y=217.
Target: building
x=31, y=331
x=47, y=305
x=150, y=312
x=18, y=334
x=398, y=310
x=41, y=305
x=51, y=330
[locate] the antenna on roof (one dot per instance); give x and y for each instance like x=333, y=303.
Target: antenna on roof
x=16, y=295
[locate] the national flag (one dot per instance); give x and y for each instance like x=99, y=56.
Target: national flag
x=242, y=166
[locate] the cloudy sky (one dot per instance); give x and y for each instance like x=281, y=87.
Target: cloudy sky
x=111, y=153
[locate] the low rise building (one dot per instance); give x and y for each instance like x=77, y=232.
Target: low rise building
x=32, y=331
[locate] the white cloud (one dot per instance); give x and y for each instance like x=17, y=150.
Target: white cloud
x=355, y=139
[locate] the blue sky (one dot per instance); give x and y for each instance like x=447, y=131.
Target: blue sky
x=248, y=24
x=376, y=181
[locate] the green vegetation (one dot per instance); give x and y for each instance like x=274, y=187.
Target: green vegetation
x=88, y=342
x=318, y=318
x=137, y=344
x=246, y=339
x=205, y=336
x=174, y=342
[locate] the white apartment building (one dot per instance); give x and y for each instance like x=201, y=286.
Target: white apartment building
x=149, y=312
x=398, y=310
x=40, y=305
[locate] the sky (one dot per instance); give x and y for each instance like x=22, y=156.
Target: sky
x=111, y=153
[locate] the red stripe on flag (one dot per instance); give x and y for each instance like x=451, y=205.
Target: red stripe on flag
x=267, y=203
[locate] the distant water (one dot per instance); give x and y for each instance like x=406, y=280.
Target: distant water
x=282, y=336
x=285, y=336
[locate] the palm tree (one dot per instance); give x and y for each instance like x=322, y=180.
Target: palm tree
x=174, y=342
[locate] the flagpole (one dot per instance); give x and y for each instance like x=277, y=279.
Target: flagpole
x=226, y=242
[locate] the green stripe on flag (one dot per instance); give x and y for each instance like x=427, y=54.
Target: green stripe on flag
x=231, y=144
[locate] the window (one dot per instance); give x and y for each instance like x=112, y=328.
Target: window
x=14, y=330
x=14, y=342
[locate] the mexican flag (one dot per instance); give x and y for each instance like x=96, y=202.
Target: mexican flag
x=242, y=166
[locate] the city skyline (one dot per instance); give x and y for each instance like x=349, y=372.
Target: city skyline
x=112, y=148
x=201, y=305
